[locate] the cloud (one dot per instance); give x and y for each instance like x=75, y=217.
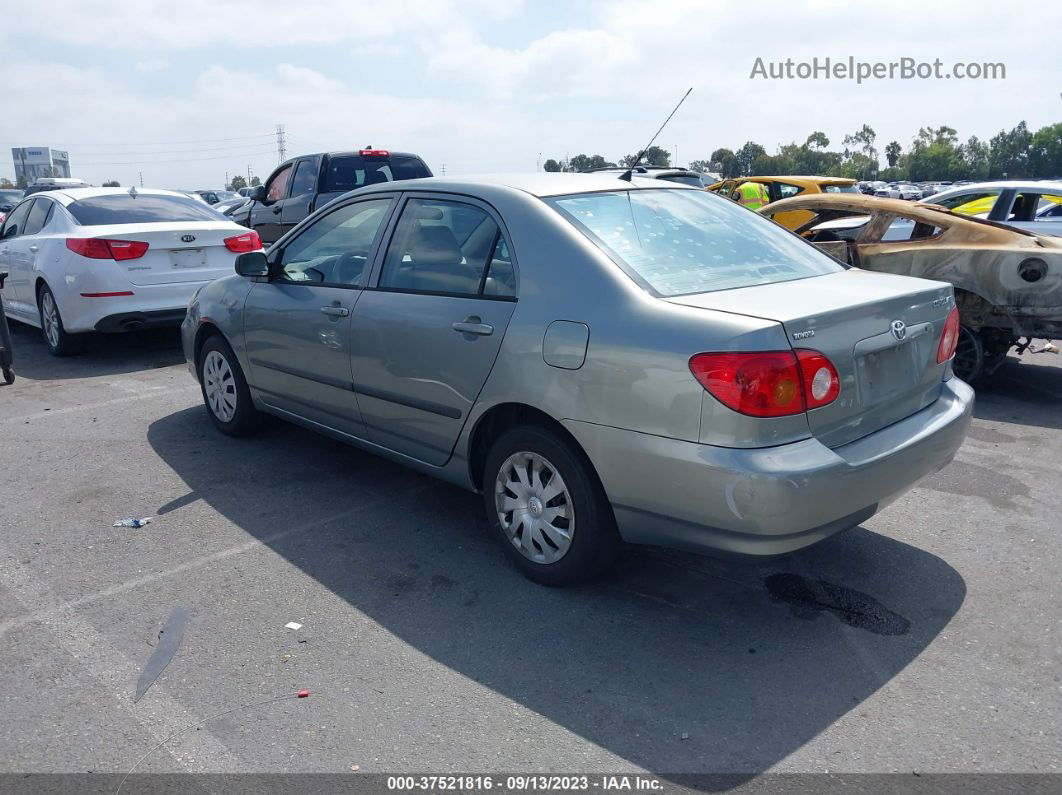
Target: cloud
x=152, y=65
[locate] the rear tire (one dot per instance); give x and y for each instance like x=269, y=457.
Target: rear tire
x=969, y=360
x=9, y=376
x=56, y=337
x=545, y=504
x=225, y=393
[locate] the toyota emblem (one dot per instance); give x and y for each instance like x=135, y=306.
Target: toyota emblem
x=899, y=329
x=190, y=238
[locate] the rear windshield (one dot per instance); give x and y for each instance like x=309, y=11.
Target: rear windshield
x=685, y=179
x=678, y=242
x=348, y=172
x=143, y=208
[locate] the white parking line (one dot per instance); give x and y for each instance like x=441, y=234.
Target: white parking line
x=40, y=415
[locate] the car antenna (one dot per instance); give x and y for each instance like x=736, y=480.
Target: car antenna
x=626, y=175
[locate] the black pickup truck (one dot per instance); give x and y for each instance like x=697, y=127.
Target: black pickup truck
x=301, y=185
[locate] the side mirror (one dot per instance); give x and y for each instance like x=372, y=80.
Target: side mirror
x=258, y=193
x=6, y=208
x=252, y=263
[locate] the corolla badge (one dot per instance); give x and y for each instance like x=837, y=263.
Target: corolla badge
x=899, y=329
x=187, y=238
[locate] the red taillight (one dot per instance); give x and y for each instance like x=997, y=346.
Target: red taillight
x=949, y=339
x=765, y=384
x=768, y=383
x=248, y=241
x=101, y=248
x=374, y=153
x=822, y=385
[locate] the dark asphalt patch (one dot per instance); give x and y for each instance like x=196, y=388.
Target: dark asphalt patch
x=810, y=597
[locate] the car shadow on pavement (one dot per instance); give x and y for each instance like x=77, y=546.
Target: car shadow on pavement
x=102, y=354
x=1035, y=385
x=676, y=663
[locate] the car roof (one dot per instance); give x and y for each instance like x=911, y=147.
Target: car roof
x=70, y=195
x=1017, y=184
x=539, y=183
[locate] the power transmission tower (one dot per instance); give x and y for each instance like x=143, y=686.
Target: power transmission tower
x=444, y=169
x=141, y=175
x=282, y=150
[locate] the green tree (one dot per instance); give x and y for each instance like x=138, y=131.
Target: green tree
x=551, y=165
x=1045, y=152
x=588, y=163
x=817, y=140
x=6, y=183
x=1010, y=153
x=892, y=153
x=725, y=162
x=974, y=156
x=700, y=165
x=22, y=182
x=112, y=184
x=255, y=182
x=653, y=156
x=747, y=155
x=237, y=183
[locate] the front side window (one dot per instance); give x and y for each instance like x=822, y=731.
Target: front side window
x=785, y=190
x=440, y=246
x=278, y=186
x=336, y=249
x=678, y=242
x=141, y=208
x=305, y=178
x=15, y=221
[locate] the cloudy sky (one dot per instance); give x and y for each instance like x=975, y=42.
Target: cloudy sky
x=185, y=92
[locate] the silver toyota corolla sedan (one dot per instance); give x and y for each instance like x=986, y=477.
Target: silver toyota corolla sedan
x=606, y=361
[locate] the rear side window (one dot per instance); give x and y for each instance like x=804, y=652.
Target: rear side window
x=443, y=247
x=143, y=208
x=678, y=242
x=840, y=189
x=349, y=172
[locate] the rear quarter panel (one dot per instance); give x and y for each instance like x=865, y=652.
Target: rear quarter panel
x=636, y=373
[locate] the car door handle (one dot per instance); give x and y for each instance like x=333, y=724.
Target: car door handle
x=277, y=209
x=335, y=311
x=34, y=249
x=471, y=325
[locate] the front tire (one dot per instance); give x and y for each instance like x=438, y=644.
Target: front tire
x=225, y=393
x=546, y=505
x=56, y=337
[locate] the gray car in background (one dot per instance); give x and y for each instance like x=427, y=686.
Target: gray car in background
x=604, y=360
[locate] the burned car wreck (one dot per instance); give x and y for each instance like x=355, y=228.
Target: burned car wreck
x=1008, y=282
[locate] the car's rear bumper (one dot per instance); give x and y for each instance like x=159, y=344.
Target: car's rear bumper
x=767, y=501
x=132, y=321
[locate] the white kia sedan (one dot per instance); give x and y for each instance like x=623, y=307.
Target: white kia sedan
x=111, y=259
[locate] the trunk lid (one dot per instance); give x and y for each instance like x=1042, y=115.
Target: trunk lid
x=849, y=316
x=170, y=259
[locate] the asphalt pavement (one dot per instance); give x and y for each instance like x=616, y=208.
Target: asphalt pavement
x=926, y=640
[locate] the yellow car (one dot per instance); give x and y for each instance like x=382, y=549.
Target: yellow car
x=787, y=186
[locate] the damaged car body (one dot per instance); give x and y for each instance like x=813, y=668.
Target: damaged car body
x=1008, y=282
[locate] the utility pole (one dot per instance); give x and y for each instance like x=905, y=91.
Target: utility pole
x=538, y=163
x=226, y=185
x=676, y=157
x=248, y=174
x=141, y=175
x=444, y=169
x=282, y=150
